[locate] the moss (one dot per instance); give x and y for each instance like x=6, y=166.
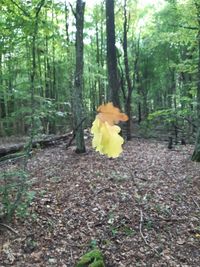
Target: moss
x=94, y=258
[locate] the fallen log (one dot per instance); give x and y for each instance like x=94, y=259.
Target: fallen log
x=42, y=143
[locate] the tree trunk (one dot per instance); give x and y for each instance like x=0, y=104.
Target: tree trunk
x=78, y=83
x=2, y=106
x=196, y=153
x=34, y=71
x=127, y=74
x=113, y=80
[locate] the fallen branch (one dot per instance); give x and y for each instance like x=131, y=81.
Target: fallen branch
x=196, y=203
x=141, y=225
x=46, y=142
x=8, y=228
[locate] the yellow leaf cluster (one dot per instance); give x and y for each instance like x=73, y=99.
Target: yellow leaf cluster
x=106, y=138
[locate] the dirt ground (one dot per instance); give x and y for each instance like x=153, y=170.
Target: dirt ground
x=141, y=209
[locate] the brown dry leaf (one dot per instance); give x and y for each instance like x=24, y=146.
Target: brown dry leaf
x=111, y=114
x=180, y=241
x=93, y=191
x=36, y=256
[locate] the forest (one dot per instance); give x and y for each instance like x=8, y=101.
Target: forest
x=100, y=133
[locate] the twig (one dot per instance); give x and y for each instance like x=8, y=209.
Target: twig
x=9, y=228
x=141, y=224
x=196, y=203
x=142, y=235
x=102, y=189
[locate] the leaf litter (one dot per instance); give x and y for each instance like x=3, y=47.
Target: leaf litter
x=141, y=209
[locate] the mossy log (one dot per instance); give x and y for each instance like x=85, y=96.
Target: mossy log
x=43, y=143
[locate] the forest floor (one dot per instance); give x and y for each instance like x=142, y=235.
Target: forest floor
x=141, y=209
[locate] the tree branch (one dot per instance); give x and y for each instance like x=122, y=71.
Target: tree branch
x=38, y=8
x=72, y=9
x=184, y=27
x=20, y=8
x=9, y=228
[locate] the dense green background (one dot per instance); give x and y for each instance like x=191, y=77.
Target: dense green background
x=163, y=54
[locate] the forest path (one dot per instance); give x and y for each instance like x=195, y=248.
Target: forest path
x=141, y=209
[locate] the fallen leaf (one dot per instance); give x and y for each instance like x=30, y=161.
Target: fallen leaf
x=110, y=114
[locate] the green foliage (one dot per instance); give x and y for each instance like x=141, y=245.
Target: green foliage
x=162, y=47
x=93, y=258
x=166, y=114
x=14, y=195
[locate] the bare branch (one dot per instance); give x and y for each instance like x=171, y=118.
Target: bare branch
x=72, y=9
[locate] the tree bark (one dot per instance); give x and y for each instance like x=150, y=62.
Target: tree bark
x=78, y=83
x=113, y=80
x=2, y=104
x=196, y=153
x=127, y=74
x=34, y=70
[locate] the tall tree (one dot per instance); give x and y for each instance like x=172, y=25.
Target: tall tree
x=113, y=80
x=196, y=153
x=78, y=79
x=34, y=67
x=127, y=74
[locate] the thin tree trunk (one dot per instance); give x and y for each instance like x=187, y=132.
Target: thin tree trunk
x=113, y=80
x=136, y=79
x=2, y=106
x=127, y=74
x=78, y=83
x=33, y=72
x=196, y=153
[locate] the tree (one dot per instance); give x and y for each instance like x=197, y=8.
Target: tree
x=113, y=80
x=78, y=78
x=127, y=74
x=34, y=67
x=196, y=153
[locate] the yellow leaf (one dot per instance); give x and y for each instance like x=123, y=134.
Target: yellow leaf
x=197, y=235
x=110, y=114
x=106, y=138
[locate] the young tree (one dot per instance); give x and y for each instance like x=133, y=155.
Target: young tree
x=78, y=79
x=113, y=80
x=34, y=67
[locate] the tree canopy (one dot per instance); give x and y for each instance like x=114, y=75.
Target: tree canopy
x=156, y=77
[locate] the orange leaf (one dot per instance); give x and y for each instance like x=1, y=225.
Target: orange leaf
x=110, y=114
